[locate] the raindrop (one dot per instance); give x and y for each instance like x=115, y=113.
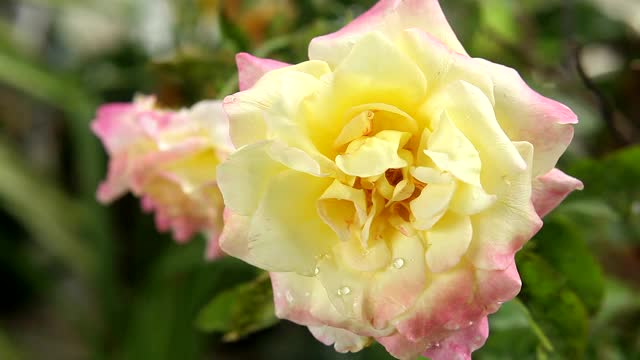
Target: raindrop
x=452, y=326
x=289, y=297
x=345, y=290
x=398, y=263
x=316, y=271
x=437, y=345
x=162, y=146
x=470, y=323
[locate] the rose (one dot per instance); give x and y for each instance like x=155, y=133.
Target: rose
x=387, y=183
x=168, y=159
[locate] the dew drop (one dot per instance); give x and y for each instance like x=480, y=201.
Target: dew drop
x=229, y=99
x=436, y=345
x=470, y=323
x=345, y=290
x=316, y=271
x=289, y=297
x=398, y=263
x=506, y=180
x=453, y=326
x=162, y=146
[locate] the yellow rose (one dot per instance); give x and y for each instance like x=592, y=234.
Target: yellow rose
x=387, y=182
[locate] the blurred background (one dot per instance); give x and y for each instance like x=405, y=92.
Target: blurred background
x=83, y=281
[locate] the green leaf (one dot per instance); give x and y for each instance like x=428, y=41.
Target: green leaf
x=614, y=177
x=240, y=311
x=561, y=245
x=8, y=350
x=512, y=334
x=177, y=286
x=558, y=312
x=615, y=333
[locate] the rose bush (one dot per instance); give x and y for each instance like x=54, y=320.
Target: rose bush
x=387, y=182
x=168, y=159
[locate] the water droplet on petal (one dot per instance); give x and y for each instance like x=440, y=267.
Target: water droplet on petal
x=506, y=180
x=162, y=146
x=289, y=297
x=345, y=290
x=437, y=345
x=453, y=326
x=229, y=99
x=470, y=323
x=316, y=271
x=398, y=263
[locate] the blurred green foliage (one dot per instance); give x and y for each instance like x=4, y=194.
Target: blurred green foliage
x=84, y=281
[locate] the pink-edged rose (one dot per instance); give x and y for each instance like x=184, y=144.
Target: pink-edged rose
x=387, y=183
x=168, y=159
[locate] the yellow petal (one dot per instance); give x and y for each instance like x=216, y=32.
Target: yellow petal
x=243, y=178
x=373, y=155
x=503, y=228
x=373, y=257
x=422, y=159
x=359, y=126
x=453, y=152
x=470, y=200
x=376, y=71
x=442, y=66
x=372, y=228
x=387, y=117
x=341, y=207
x=395, y=290
x=431, y=205
x=286, y=232
x=449, y=239
x=246, y=109
x=471, y=112
x=430, y=175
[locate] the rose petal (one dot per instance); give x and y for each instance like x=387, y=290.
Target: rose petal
x=461, y=344
x=395, y=290
x=451, y=151
x=528, y=116
x=551, y=188
x=501, y=230
x=251, y=69
x=442, y=66
x=247, y=109
x=449, y=239
x=472, y=113
x=277, y=226
x=432, y=204
x=344, y=341
x=383, y=148
x=390, y=17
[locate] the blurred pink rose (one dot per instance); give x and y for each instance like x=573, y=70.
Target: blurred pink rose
x=168, y=159
x=387, y=183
